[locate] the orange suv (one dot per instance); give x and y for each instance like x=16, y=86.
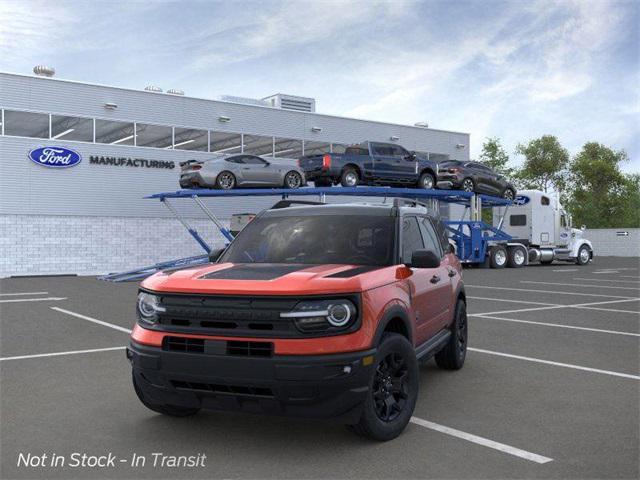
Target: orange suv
x=313, y=310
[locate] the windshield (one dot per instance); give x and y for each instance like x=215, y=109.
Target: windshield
x=314, y=240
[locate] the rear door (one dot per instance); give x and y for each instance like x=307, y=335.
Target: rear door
x=383, y=160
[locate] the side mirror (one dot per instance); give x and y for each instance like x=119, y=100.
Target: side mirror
x=214, y=255
x=411, y=156
x=424, y=259
x=451, y=249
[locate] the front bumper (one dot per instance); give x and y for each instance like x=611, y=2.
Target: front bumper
x=314, y=386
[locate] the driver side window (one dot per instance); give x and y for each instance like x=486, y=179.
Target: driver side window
x=411, y=238
x=430, y=238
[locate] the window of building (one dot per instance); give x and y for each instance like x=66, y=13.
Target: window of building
x=435, y=157
x=258, y=145
x=316, y=148
x=338, y=148
x=287, y=148
x=518, y=220
x=411, y=238
x=71, y=128
x=225, y=143
x=191, y=139
x=545, y=201
x=114, y=133
x=157, y=136
x=26, y=124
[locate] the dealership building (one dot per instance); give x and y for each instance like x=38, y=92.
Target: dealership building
x=92, y=217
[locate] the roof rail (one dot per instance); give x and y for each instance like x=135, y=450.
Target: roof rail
x=288, y=203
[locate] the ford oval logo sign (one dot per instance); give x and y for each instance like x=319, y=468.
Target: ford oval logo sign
x=55, y=157
x=521, y=200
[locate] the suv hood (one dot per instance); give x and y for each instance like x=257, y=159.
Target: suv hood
x=272, y=279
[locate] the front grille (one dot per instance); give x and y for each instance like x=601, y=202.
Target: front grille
x=243, y=390
x=182, y=344
x=217, y=347
x=250, y=349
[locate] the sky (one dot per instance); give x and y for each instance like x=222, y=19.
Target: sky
x=514, y=70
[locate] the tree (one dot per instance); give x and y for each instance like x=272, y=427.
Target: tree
x=545, y=164
x=495, y=157
x=600, y=194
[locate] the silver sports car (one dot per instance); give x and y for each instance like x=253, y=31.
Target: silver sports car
x=241, y=170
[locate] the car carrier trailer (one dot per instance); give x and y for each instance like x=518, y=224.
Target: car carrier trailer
x=475, y=242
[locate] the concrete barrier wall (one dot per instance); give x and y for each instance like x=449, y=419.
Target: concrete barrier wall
x=618, y=242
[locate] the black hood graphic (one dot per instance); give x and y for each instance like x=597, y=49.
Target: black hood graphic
x=254, y=271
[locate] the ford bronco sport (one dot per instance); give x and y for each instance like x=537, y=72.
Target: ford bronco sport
x=315, y=310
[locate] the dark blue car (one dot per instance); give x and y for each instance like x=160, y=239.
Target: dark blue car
x=371, y=163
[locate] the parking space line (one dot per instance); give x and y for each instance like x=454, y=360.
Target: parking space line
x=566, y=270
x=23, y=293
x=587, y=306
x=606, y=280
x=555, y=364
x=550, y=291
x=485, y=442
x=46, y=299
x=57, y=354
x=93, y=320
x=580, y=285
x=629, y=276
x=545, y=324
x=512, y=301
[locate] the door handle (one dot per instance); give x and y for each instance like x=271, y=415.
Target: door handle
x=452, y=273
x=435, y=279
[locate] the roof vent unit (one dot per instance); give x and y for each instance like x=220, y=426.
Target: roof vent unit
x=244, y=100
x=292, y=102
x=175, y=91
x=153, y=88
x=44, y=71
x=421, y=124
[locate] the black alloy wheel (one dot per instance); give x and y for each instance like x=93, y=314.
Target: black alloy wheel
x=390, y=387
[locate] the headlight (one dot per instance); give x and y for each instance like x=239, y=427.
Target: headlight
x=323, y=315
x=148, y=307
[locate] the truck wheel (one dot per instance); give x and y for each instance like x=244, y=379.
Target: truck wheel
x=170, y=410
x=517, y=257
x=498, y=256
x=452, y=356
x=584, y=255
x=427, y=181
x=468, y=185
x=225, y=180
x=349, y=178
x=393, y=390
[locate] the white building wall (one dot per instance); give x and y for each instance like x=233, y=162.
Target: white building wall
x=613, y=242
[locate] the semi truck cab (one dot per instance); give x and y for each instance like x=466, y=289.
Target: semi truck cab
x=540, y=223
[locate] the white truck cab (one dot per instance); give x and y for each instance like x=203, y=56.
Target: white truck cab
x=538, y=222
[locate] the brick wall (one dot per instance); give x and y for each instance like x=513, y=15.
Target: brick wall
x=45, y=245
x=607, y=242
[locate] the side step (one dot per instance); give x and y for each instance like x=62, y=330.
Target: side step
x=429, y=348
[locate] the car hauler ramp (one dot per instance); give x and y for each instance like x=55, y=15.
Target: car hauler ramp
x=472, y=237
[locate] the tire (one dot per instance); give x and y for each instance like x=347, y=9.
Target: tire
x=225, y=180
x=427, y=181
x=349, y=177
x=517, y=257
x=170, y=410
x=382, y=421
x=508, y=194
x=468, y=185
x=452, y=356
x=498, y=256
x=292, y=180
x=584, y=255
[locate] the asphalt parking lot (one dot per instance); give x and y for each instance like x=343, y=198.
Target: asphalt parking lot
x=550, y=390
